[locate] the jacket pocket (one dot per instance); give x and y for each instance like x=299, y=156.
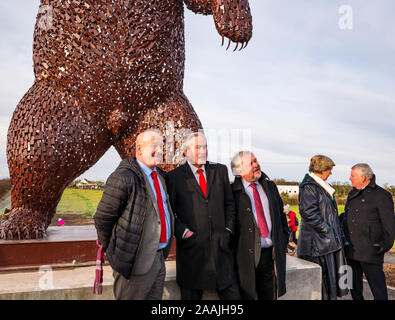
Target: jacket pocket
x=189, y=242
x=225, y=241
x=375, y=233
x=323, y=243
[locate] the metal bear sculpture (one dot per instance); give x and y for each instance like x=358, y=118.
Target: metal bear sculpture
x=105, y=70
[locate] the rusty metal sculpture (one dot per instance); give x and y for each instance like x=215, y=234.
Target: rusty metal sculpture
x=104, y=72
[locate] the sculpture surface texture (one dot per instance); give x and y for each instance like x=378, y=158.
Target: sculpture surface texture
x=105, y=70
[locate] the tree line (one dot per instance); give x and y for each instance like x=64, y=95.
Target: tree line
x=342, y=190
x=5, y=186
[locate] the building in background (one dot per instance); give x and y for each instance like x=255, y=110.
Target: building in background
x=290, y=191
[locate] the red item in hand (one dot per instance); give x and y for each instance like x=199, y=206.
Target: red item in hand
x=98, y=284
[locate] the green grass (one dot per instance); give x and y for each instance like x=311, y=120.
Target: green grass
x=85, y=202
x=76, y=201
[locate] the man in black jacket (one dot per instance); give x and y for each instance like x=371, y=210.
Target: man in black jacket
x=134, y=222
x=369, y=226
x=261, y=230
x=202, y=201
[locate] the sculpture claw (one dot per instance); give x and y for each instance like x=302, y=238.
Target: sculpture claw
x=22, y=224
x=237, y=44
x=228, y=45
x=246, y=44
x=223, y=39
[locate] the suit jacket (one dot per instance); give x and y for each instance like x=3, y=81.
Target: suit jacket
x=152, y=230
x=248, y=243
x=204, y=260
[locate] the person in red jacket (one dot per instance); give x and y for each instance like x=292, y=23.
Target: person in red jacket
x=292, y=223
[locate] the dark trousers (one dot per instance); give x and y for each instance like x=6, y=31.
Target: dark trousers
x=292, y=237
x=374, y=274
x=265, y=277
x=230, y=293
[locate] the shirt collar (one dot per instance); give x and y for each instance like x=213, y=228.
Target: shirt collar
x=195, y=169
x=246, y=184
x=147, y=170
x=325, y=185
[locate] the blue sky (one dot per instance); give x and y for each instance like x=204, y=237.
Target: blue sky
x=303, y=86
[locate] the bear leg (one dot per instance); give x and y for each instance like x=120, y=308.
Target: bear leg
x=51, y=141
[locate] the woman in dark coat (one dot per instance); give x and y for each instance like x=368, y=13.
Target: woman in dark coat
x=321, y=237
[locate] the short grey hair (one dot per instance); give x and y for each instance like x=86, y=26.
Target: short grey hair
x=363, y=169
x=187, y=141
x=236, y=164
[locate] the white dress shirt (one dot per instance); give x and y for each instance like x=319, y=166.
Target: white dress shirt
x=196, y=173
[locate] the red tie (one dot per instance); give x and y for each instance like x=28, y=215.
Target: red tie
x=263, y=229
x=202, y=182
x=163, y=237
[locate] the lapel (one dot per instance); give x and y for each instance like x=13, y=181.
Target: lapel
x=354, y=193
x=155, y=203
x=151, y=194
x=167, y=201
x=191, y=180
x=263, y=182
x=210, y=174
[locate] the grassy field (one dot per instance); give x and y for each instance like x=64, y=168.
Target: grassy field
x=340, y=209
x=75, y=201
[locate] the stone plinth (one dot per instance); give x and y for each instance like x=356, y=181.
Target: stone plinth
x=303, y=282
x=62, y=246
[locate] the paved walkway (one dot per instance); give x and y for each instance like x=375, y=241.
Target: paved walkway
x=389, y=258
x=367, y=294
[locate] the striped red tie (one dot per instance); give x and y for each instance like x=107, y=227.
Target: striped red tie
x=163, y=236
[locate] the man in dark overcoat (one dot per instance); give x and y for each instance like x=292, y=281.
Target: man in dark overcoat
x=262, y=231
x=203, y=205
x=369, y=227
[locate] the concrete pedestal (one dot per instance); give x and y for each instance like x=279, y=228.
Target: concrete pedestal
x=65, y=246
x=62, y=246
x=303, y=283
